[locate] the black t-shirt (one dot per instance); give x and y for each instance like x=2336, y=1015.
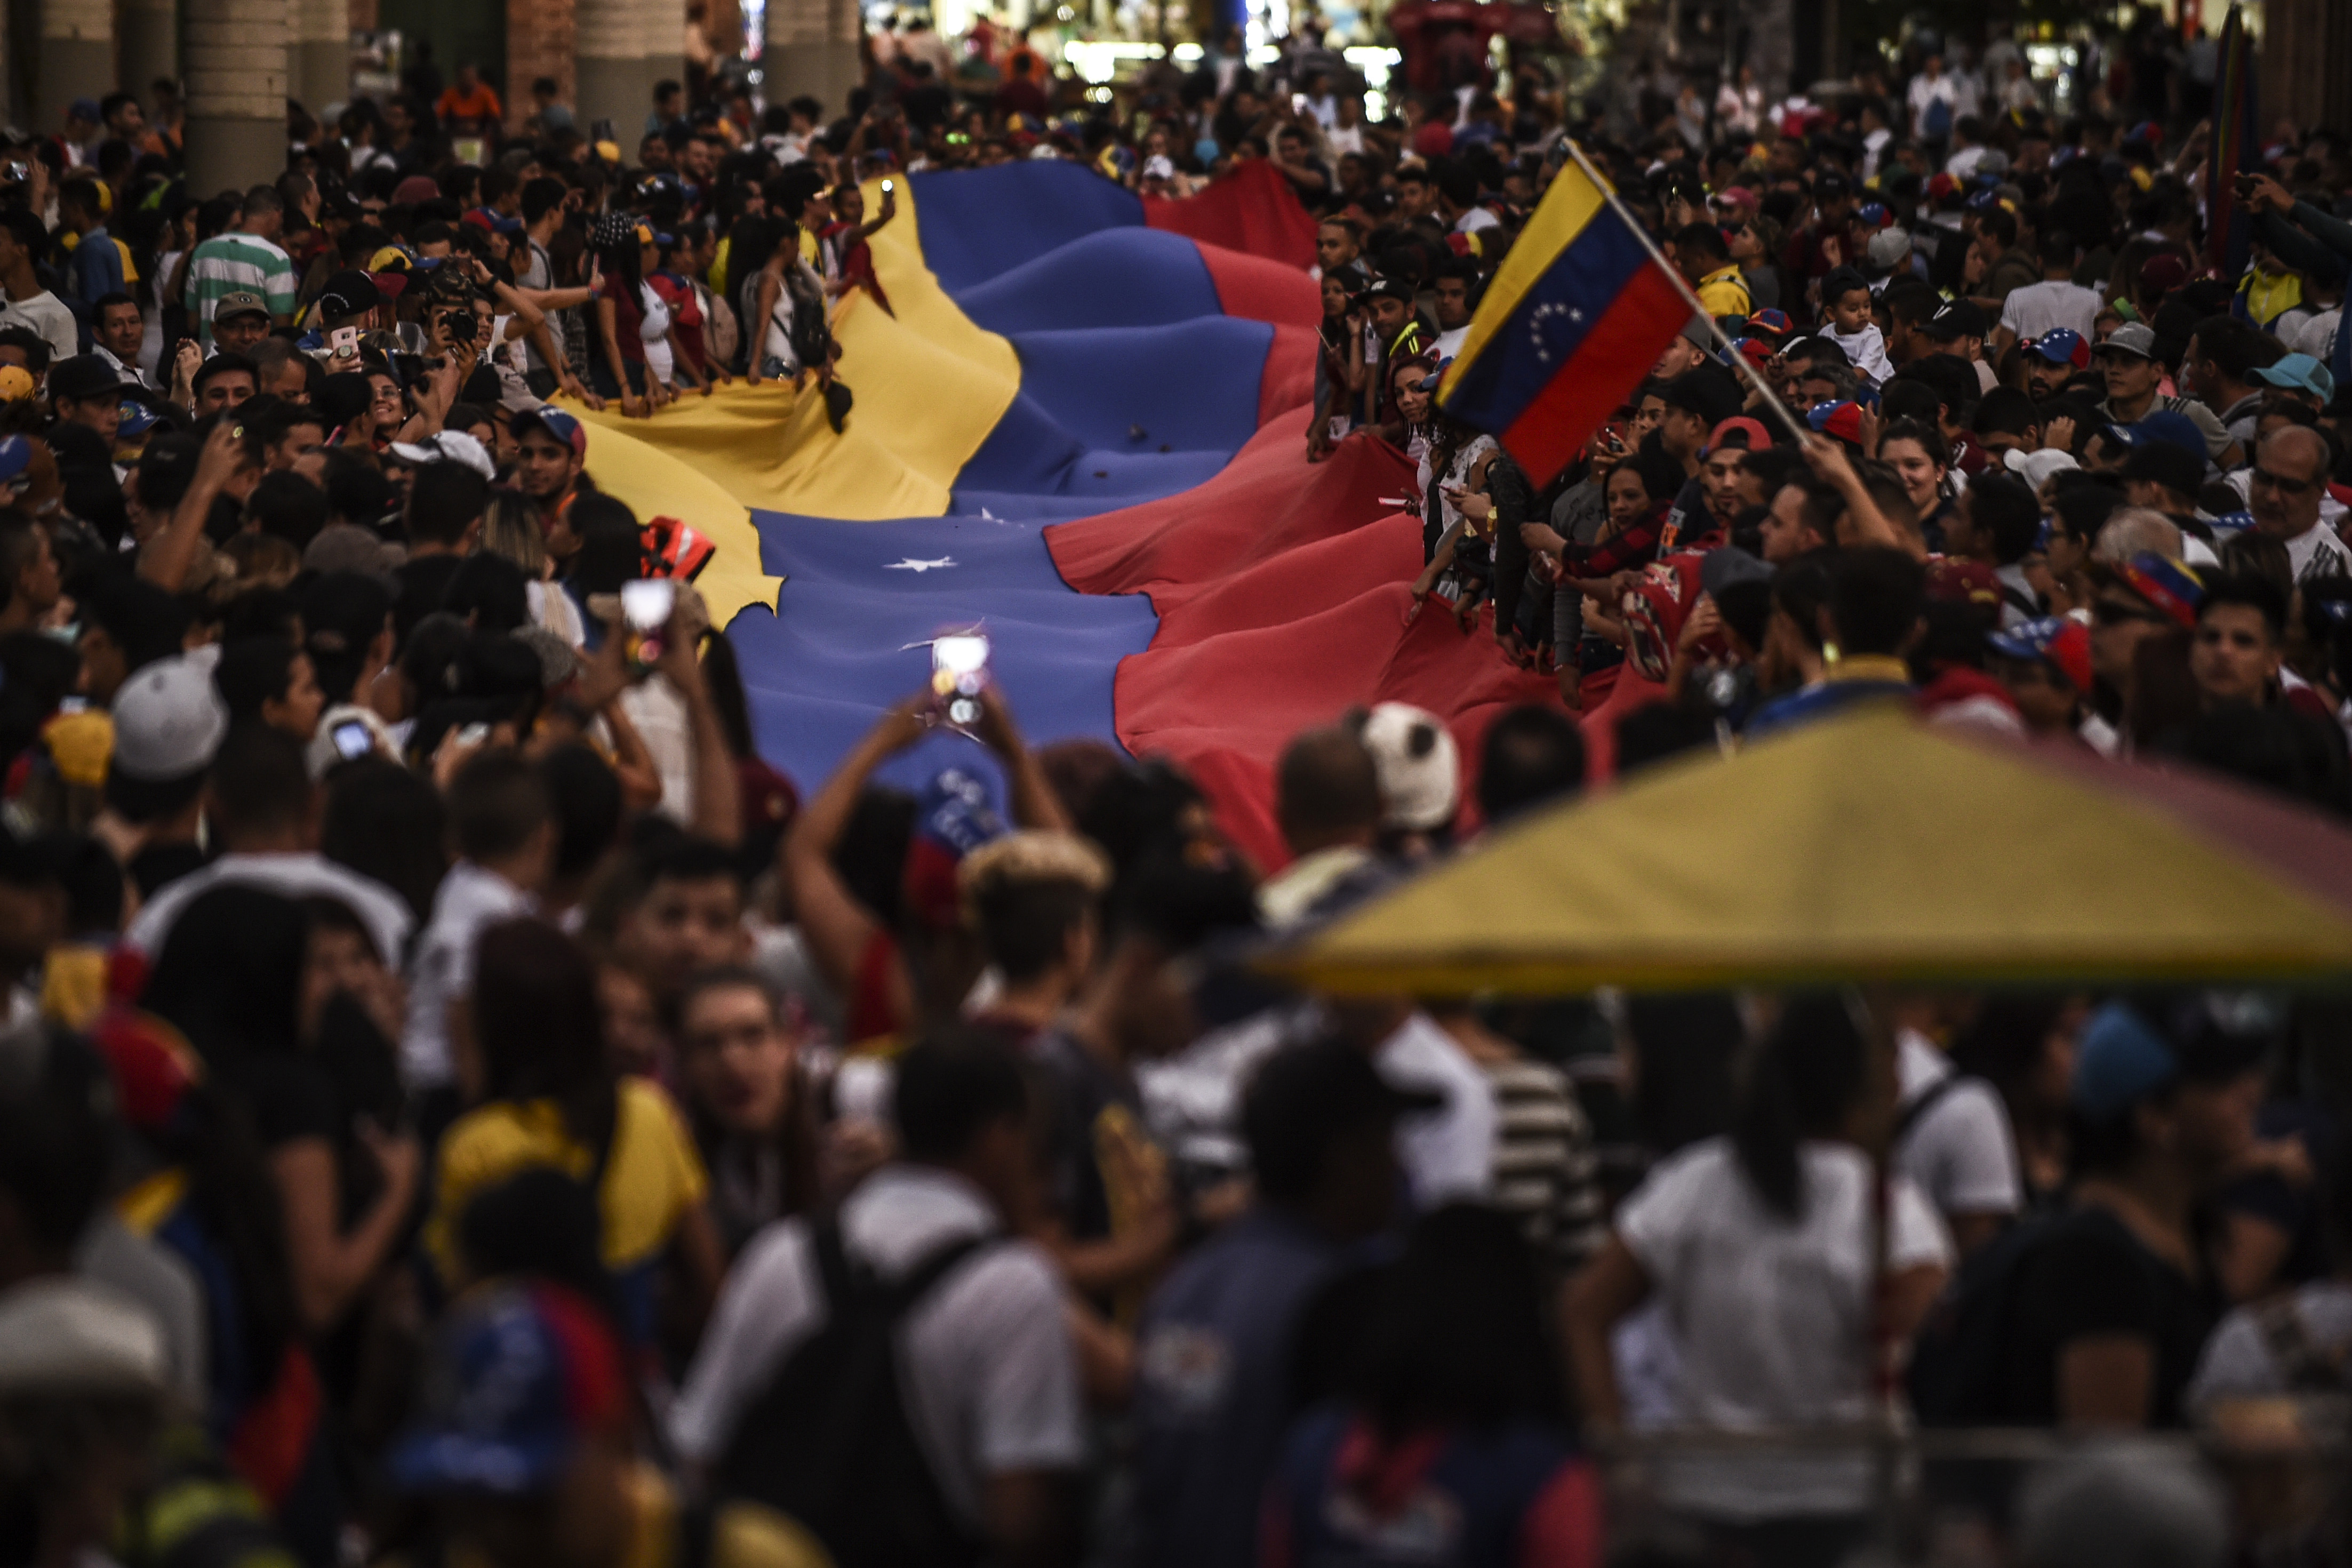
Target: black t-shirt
x=1091, y=1104
x=422, y=583
x=2089, y=1277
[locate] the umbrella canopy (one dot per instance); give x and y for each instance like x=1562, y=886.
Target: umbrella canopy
x=1871, y=847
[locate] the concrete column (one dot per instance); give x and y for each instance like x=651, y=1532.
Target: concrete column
x=233, y=59
x=76, y=59
x=147, y=43
x=318, y=64
x=813, y=50
x=1772, y=27
x=626, y=47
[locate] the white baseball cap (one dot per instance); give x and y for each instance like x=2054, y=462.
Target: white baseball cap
x=448, y=447
x=69, y=1335
x=168, y=721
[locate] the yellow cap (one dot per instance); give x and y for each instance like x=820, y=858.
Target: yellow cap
x=15, y=384
x=81, y=744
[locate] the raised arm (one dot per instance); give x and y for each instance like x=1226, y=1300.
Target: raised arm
x=836, y=927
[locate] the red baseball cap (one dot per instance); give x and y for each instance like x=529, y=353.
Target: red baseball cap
x=1758, y=437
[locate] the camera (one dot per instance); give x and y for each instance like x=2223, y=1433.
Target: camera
x=459, y=325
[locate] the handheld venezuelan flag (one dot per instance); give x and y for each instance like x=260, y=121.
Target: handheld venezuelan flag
x=2236, y=150
x=1577, y=315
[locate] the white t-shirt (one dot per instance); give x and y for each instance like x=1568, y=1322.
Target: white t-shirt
x=470, y=900
x=1771, y=1316
x=1960, y=1149
x=2238, y=1362
x=2318, y=552
x=1924, y=92
x=653, y=332
x=1448, y=1155
x=298, y=876
x=2041, y=308
x=991, y=1379
x=45, y=315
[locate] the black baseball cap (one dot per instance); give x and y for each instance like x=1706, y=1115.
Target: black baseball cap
x=88, y=378
x=347, y=294
x=1959, y=318
x=1387, y=289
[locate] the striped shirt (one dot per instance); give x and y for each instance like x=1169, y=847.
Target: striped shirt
x=1545, y=1170
x=228, y=263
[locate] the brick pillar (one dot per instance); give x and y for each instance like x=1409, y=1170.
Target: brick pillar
x=626, y=47
x=233, y=56
x=542, y=39
x=76, y=59
x=319, y=53
x=813, y=50
x=147, y=43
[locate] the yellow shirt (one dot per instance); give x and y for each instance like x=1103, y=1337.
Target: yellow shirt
x=1723, y=292
x=652, y=1177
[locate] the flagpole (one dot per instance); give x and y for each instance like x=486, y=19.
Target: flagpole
x=1682, y=286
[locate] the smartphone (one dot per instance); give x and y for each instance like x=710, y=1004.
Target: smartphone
x=354, y=739
x=645, y=606
x=959, y=675
x=343, y=343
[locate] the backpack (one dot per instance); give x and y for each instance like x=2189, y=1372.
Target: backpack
x=1936, y=120
x=829, y=1442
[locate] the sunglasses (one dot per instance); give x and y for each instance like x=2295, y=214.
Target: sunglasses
x=2280, y=483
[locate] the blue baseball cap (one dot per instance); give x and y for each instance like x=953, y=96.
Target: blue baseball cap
x=2119, y=1061
x=521, y=1374
x=137, y=419
x=2062, y=345
x=2168, y=425
x=2062, y=641
x=15, y=457
x=2301, y=373
x=559, y=424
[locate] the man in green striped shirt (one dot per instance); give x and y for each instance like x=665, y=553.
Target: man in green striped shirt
x=244, y=259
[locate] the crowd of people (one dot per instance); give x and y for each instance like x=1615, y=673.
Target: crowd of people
x=2117, y=476
x=460, y=1104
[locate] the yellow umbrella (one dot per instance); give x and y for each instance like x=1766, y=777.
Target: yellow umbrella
x=1869, y=847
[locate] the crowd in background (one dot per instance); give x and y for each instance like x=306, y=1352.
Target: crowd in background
x=460, y=1104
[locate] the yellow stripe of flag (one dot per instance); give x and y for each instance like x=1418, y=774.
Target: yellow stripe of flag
x=1567, y=208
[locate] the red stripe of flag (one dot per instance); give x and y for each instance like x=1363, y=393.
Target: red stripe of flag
x=1617, y=351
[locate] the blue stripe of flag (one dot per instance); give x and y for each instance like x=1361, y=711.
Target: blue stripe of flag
x=1550, y=324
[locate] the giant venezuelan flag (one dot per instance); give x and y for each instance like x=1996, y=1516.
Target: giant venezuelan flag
x=1576, y=316
x=1085, y=429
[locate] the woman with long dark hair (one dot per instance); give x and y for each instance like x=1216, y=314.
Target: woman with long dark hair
x=293, y=1202
x=1762, y=1245
x=1340, y=373
x=1458, y=519
x=639, y=351
x=550, y=1096
x=1449, y=1445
